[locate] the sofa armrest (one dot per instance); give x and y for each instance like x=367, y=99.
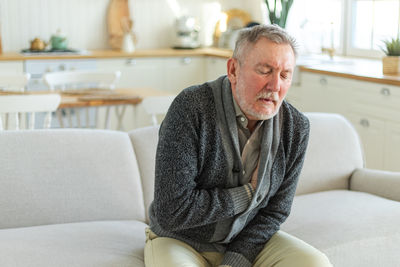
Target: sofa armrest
x=381, y=183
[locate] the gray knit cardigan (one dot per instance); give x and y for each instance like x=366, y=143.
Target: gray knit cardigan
x=198, y=169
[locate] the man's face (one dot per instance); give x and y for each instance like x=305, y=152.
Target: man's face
x=261, y=78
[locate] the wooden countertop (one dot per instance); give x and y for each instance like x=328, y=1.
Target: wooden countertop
x=164, y=52
x=369, y=70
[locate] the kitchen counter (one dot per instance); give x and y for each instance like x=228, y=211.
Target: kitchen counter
x=354, y=68
x=163, y=52
x=369, y=70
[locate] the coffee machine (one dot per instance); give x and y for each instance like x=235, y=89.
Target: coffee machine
x=187, y=33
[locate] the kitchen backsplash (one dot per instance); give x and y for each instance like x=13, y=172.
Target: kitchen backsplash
x=84, y=22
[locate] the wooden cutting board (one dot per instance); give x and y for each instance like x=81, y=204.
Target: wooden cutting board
x=117, y=17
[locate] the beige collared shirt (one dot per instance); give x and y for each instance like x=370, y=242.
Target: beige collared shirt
x=249, y=143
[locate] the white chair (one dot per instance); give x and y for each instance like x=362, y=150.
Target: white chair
x=82, y=80
x=157, y=105
x=14, y=82
x=27, y=104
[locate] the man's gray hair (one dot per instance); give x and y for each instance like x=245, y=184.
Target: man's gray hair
x=273, y=32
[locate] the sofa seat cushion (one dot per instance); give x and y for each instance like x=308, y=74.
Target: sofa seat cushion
x=352, y=228
x=85, y=244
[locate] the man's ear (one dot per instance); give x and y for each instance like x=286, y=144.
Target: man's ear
x=232, y=67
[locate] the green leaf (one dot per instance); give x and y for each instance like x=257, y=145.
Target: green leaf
x=392, y=47
x=280, y=18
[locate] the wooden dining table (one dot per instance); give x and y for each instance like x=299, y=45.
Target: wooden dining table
x=96, y=97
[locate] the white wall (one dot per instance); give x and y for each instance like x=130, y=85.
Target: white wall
x=84, y=21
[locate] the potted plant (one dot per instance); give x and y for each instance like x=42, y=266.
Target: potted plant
x=276, y=15
x=391, y=62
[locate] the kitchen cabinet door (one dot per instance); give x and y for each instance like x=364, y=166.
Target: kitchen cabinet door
x=136, y=72
x=319, y=93
x=372, y=134
x=392, y=147
x=182, y=72
x=11, y=67
x=215, y=67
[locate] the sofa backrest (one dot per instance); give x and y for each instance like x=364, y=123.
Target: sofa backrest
x=61, y=176
x=144, y=141
x=334, y=151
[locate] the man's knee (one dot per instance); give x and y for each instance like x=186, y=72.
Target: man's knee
x=310, y=258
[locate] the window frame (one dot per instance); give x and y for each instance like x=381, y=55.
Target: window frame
x=347, y=37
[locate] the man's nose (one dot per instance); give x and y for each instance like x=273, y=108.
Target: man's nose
x=274, y=83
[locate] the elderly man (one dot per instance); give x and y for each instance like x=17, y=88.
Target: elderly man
x=229, y=156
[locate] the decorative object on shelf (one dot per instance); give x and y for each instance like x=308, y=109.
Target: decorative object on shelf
x=129, y=39
x=227, y=26
x=118, y=14
x=276, y=15
x=391, y=62
x=187, y=33
x=58, y=41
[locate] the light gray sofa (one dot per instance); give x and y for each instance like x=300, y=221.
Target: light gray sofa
x=80, y=198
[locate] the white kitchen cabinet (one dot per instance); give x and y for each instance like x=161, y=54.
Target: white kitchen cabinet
x=12, y=67
x=172, y=74
x=371, y=131
x=215, y=67
x=392, y=147
x=182, y=72
x=136, y=72
x=373, y=109
x=320, y=93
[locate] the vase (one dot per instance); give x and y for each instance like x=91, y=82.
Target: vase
x=391, y=65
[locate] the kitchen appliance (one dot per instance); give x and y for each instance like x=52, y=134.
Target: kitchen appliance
x=187, y=33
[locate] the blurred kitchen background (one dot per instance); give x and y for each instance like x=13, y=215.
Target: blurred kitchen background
x=351, y=27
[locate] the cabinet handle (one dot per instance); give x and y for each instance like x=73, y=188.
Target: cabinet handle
x=364, y=123
x=131, y=62
x=323, y=81
x=62, y=67
x=187, y=60
x=385, y=91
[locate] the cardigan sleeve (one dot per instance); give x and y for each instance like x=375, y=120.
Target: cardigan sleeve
x=179, y=203
x=243, y=250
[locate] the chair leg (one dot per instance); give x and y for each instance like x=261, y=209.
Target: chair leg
x=47, y=120
x=96, y=117
x=69, y=117
x=154, y=119
x=78, y=117
x=16, y=121
x=107, y=120
x=87, y=119
x=60, y=118
x=32, y=121
x=120, y=117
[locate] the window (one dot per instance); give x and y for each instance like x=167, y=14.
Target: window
x=351, y=27
x=371, y=21
x=317, y=24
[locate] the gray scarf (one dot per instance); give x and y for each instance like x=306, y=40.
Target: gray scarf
x=269, y=145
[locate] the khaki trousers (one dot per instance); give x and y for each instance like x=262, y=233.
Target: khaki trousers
x=283, y=250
